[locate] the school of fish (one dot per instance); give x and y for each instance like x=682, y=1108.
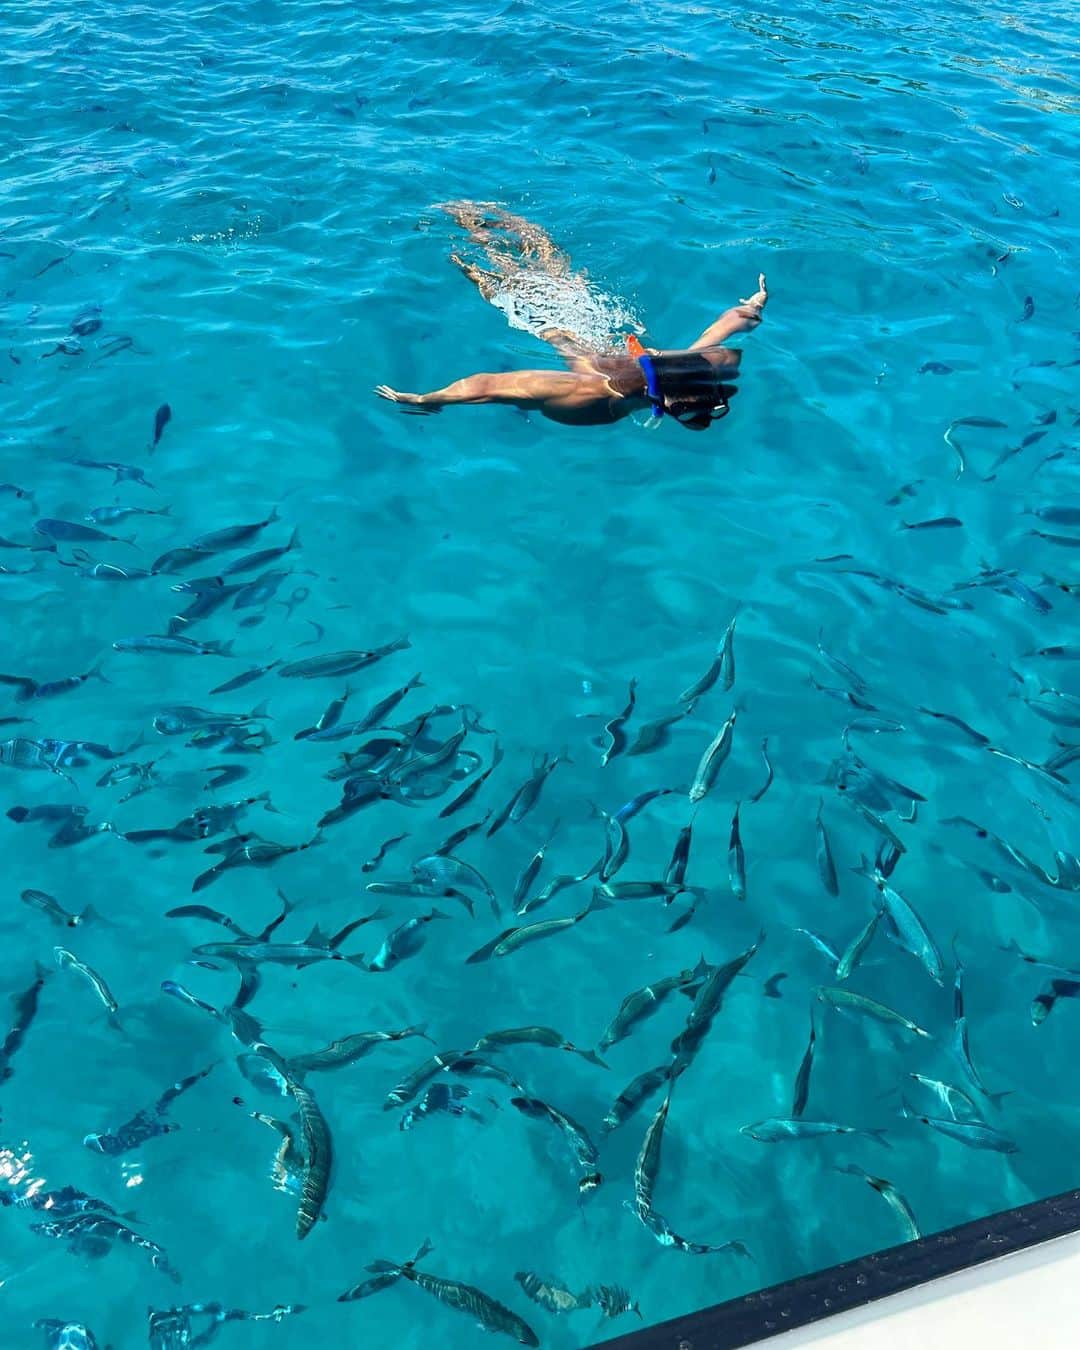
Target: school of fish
x=448, y=803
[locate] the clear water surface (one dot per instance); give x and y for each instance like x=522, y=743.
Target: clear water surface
x=246, y=192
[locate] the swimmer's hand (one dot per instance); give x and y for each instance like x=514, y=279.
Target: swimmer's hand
x=759, y=299
x=412, y=403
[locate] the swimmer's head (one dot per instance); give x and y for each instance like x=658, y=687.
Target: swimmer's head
x=688, y=387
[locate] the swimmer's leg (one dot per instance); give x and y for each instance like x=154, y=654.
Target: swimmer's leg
x=483, y=219
x=535, y=240
x=474, y=217
x=486, y=282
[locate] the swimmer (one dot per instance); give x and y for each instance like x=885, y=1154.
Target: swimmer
x=693, y=385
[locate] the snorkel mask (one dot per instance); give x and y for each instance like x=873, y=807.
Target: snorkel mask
x=693, y=415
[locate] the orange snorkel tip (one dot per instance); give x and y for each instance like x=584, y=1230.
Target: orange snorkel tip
x=633, y=346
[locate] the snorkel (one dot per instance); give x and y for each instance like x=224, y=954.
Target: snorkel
x=652, y=379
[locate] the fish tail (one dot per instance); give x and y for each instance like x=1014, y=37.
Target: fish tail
x=995, y=1098
x=294, y=539
x=384, y=1267
x=357, y=960
x=879, y=1136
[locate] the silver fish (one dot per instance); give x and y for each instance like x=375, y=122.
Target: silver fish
x=443, y=869
x=349, y=1049
x=491, y=1315
x=26, y=1006
x=65, y=959
x=646, y=1173
x=642, y=1003
x=825, y=864
x=530, y=871
x=250, y=562
x=232, y=536
x=722, y=668
x=513, y=939
x=173, y=645
x=846, y=1001
x=411, y=1084
x=318, y=1145
x=778, y=1131
x=145, y=1124
x=526, y=796
x=551, y=1294
x=580, y=1145
x=617, y=738
x=853, y=952
x=908, y=929
x=891, y=1196
x=95, y=1234
x=736, y=858
x=656, y=734
x=55, y=911
x=340, y=663
x=66, y=1335
x=972, y=1133
x=802, y=1078
x=546, y=1036
x=636, y=1092
x=954, y=1100
x=680, y=856
x=713, y=759
x=707, y=1002
x=405, y=941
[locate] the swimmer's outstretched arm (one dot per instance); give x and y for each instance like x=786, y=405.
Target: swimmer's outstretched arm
x=522, y=388
x=741, y=318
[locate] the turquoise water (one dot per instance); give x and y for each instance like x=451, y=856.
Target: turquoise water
x=244, y=196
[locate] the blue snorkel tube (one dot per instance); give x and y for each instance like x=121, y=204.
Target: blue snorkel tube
x=652, y=385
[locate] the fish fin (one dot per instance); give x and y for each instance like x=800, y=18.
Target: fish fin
x=418, y=1029
x=425, y=1249
x=597, y=902
x=591, y=1056
x=879, y=1136
x=317, y=938
x=437, y=914
x=995, y=1097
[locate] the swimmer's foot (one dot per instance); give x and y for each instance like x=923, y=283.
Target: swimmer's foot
x=486, y=282
x=472, y=216
x=410, y=403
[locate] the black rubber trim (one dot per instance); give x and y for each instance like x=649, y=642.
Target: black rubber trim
x=811, y=1298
